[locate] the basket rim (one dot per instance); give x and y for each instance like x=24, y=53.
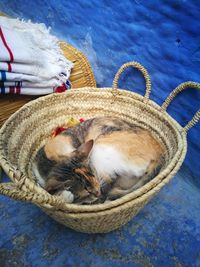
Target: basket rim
x=115, y=93
x=180, y=135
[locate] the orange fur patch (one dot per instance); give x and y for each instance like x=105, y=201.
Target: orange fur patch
x=58, y=147
x=139, y=147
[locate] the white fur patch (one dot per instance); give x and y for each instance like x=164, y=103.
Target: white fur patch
x=107, y=160
x=67, y=149
x=39, y=178
x=68, y=196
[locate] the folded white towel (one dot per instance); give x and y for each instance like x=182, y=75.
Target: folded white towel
x=29, y=91
x=30, y=54
x=19, y=88
x=36, y=70
x=26, y=84
x=12, y=77
x=34, y=91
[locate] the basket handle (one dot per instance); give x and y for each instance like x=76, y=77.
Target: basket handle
x=176, y=91
x=15, y=191
x=138, y=66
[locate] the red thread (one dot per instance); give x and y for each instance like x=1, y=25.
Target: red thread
x=81, y=120
x=5, y=44
x=18, y=89
x=9, y=67
x=60, y=89
x=58, y=130
x=12, y=90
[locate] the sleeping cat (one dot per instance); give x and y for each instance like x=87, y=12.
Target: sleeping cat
x=98, y=160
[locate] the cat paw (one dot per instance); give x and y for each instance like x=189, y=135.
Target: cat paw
x=107, y=201
x=68, y=196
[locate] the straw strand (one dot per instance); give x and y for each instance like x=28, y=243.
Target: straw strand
x=138, y=66
x=175, y=92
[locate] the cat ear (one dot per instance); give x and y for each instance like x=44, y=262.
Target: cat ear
x=85, y=148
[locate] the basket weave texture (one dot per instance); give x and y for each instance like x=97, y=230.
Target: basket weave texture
x=28, y=129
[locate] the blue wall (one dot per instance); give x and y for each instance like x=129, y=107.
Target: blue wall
x=164, y=37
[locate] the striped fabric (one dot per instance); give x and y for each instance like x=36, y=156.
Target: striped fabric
x=31, y=61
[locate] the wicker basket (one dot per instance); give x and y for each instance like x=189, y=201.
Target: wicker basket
x=81, y=76
x=27, y=130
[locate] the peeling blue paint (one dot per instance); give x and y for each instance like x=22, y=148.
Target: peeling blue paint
x=164, y=37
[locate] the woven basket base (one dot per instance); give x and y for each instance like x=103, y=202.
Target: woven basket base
x=29, y=128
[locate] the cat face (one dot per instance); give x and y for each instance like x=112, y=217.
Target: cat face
x=73, y=174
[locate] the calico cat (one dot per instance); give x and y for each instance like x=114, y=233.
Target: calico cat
x=98, y=160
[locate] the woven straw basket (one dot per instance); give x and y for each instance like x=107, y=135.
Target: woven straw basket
x=28, y=129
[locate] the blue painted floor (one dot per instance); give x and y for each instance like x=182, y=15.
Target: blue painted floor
x=164, y=37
